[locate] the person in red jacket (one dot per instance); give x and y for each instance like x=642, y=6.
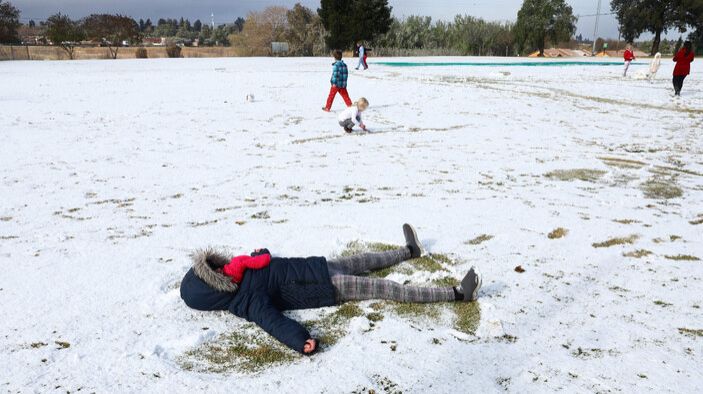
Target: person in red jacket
x=683, y=59
x=629, y=56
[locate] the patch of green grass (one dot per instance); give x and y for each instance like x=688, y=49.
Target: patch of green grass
x=468, y=316
x=691, y=332
x=662, y=303
x=639, y=253
x=616, y=241
x=426, y=263
x=682, y=257
x=661, y=189
x=480, y=239
x=358, y=247
x=697, y=221
x=581, y=174
x=446, y=281
x=332, y=327
x=248, y=349
x=374, y=316
x=430, y=263
x=430, y=311
x=557, y=233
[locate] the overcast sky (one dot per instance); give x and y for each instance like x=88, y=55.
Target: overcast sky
x=227, y=10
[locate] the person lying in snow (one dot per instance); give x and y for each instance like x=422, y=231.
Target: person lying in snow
x=260, y=287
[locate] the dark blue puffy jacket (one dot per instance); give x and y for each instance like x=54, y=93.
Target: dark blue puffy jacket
x=295, y=283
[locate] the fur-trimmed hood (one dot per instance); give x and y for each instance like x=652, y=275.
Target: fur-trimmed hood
x=205, y=263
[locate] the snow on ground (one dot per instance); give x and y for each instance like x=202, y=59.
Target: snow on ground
x=113, y=171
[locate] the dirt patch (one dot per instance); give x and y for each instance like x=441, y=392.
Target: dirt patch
x=557, y=233
x=661, y=189
x=616, y=241
x=697, y=221
x=690, y=332
x=682, y=257
x=479, y=240
x=581, y=174
x=639, y=253
x=622, y=163
x=626, y=221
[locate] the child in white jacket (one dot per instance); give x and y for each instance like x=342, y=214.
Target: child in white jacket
x=351, y=116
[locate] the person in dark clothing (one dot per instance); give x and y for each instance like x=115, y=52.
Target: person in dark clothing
x=683, y=58
x=271, y=285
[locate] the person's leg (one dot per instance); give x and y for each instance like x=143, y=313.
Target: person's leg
x=365, y=64
x=351, y=288
x=627, y=65
x=345, y=96
x=677, y=85
x=330, y=97
x=366, y=262
x=682, y=78
x=348, y=125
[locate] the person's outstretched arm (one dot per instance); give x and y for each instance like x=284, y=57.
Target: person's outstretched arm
x=258, y=308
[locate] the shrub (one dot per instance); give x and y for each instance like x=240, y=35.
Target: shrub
x=173, y=51
x=141, y=53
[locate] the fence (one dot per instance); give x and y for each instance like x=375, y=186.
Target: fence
x=13, y=52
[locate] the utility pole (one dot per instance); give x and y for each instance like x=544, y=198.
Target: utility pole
x=595, y=30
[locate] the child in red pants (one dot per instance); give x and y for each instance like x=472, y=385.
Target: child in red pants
x=338, y=81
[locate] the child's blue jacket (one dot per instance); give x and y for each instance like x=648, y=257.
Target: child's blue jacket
x=340, y=73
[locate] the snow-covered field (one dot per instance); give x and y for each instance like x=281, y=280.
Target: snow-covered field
x=111, y=172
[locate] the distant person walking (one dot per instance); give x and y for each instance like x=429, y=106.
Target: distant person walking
x=361, y=49
x=629, y=56
x=683, y=59
x=340, y=73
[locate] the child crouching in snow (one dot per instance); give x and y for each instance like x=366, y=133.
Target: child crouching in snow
x=351, y=116
x=259, y=287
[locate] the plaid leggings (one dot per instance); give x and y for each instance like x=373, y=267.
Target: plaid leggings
x=343, y=271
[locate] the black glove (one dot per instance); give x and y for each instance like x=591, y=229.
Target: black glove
x=260, y=252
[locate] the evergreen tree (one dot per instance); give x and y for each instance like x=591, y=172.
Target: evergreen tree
x=9, y=23
x=197, y=26
x=239, y=24
x=542, y=21
x=638, y=16
x=348, y=21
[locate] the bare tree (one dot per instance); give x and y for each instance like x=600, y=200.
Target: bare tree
x=263, y=28
x=111, y=30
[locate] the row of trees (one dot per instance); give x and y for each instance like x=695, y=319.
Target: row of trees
x=465, y=35
x=340, y=23
x=112, y=31
x=658, y=17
